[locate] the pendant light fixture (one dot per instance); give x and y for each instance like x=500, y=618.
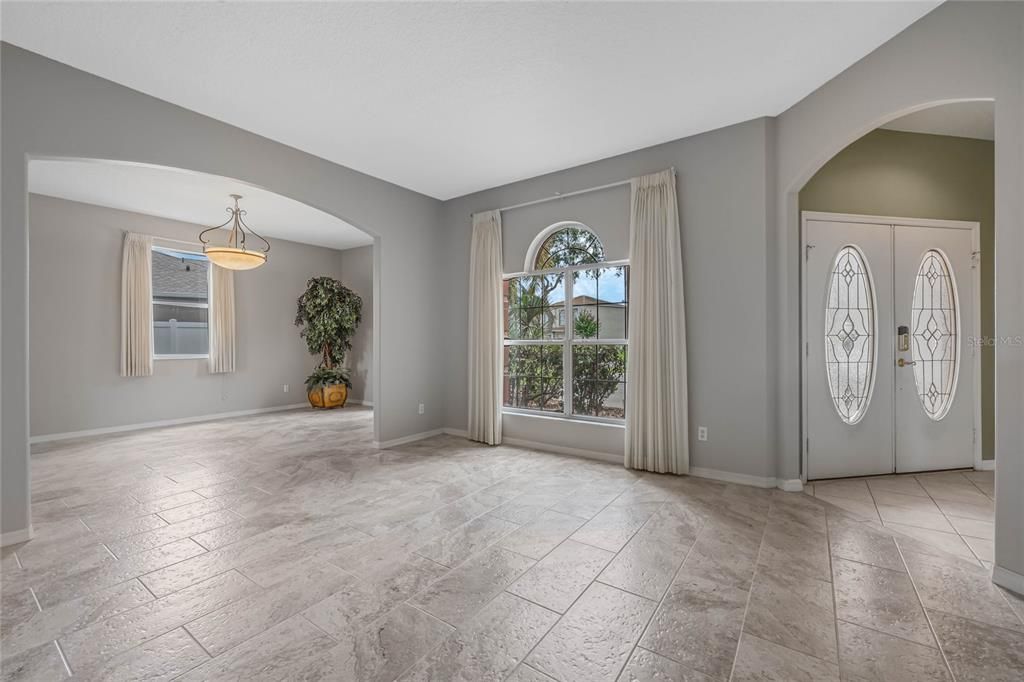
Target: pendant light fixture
x=234, y=255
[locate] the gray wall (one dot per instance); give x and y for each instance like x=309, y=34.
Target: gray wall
x=723, y=219
x=52, y=110
x=357, y=274
x=75, y=266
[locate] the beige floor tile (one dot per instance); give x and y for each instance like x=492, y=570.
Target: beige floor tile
x=277, y=654
x=980, y=512
x=247, y=617
x=960, y=588
x=594, y=639
x=39, y=663
x=490, y=646
x=965, y=493
x=984, y=530
x=856, y=489
x=458, y=545
x=92, y=645
x=794, y=612
x=612, y=528
x=457, y=596
x=763, y=661
x=62, y=619
x=880, y=599
x=871, y=655
x=647, y=666
x=525, y=673
x=933, y=540
x=542, y=535
x=140, y=542
x=983, y=549
x=888, y=498
x=557, y=580
x=976, y=651
x=906, y=485
x=858, y=542
x=698, y=624
x=911, y=517
x=162, y=658
x=857, y=509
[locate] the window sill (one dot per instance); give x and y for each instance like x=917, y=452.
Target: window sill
x=556, y=417
x=181, y=357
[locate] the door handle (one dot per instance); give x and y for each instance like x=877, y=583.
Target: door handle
x=905, y=363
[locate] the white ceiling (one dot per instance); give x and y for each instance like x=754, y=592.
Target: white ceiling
x=963, y=119
x=450, y=98
x=189, y=197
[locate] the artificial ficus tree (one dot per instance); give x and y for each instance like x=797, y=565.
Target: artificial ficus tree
x=328, y=313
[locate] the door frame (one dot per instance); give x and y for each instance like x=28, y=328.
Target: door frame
x=975, y=323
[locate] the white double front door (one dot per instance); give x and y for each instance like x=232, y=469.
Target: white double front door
x=889, y=320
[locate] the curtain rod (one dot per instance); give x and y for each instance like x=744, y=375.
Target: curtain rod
x=566, y=195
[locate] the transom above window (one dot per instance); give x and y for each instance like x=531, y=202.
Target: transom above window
x=569, y=244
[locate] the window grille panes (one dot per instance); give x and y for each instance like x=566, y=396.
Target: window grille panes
x=850, y=334
x=533, y=378
x=532, y=306
x=566, y=330
x=599, y=380
x=571, y=245
x=935, y=338
x=180, y=303
x=599, y=300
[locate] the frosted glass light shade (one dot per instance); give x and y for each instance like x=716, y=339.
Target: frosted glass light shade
x=235, y=259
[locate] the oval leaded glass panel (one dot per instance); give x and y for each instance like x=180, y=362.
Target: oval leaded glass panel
x=935, y=337
x=850, y=335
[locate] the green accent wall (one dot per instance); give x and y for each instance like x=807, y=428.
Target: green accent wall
x=913, y=175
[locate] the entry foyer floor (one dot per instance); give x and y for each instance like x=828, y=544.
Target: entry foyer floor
x=286, y=547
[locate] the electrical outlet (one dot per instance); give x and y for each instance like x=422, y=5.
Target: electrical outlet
x=285, y=387
x=421, y=408
x=702, y=433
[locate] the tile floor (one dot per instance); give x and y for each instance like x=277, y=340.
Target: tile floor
x=286, y=547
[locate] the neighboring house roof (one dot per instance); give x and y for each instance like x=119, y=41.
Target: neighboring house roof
x=174, y=277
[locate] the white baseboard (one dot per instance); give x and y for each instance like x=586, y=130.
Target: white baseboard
x=1008, y=579
x=162, y=422
x=562, y=450
x=15, y=536
x=985, y=465
x=789, y=485
x=405, y=440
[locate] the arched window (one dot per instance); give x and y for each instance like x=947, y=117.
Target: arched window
x=569, y=244
x=566, y=328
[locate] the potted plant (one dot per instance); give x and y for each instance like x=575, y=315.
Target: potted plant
x=328, y=313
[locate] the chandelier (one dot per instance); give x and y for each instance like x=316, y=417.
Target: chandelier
x=234, y=255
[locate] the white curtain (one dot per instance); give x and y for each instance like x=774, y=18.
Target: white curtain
x=656, y=401
x=485, y=296
x=222, y=320
x=137, y=305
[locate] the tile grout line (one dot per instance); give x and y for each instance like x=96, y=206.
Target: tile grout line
x=924, y=610
x=63, y=658
x=750, y=590
x=946, y=517
x=835, y=600
x=589, y=585
x=661, y=600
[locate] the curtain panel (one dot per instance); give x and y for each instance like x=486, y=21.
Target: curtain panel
x=137, y=305
x=656, y=396
x=485, y=329
x=222, y=320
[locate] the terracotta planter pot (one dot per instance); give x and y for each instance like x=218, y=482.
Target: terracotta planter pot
x=327, y=397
